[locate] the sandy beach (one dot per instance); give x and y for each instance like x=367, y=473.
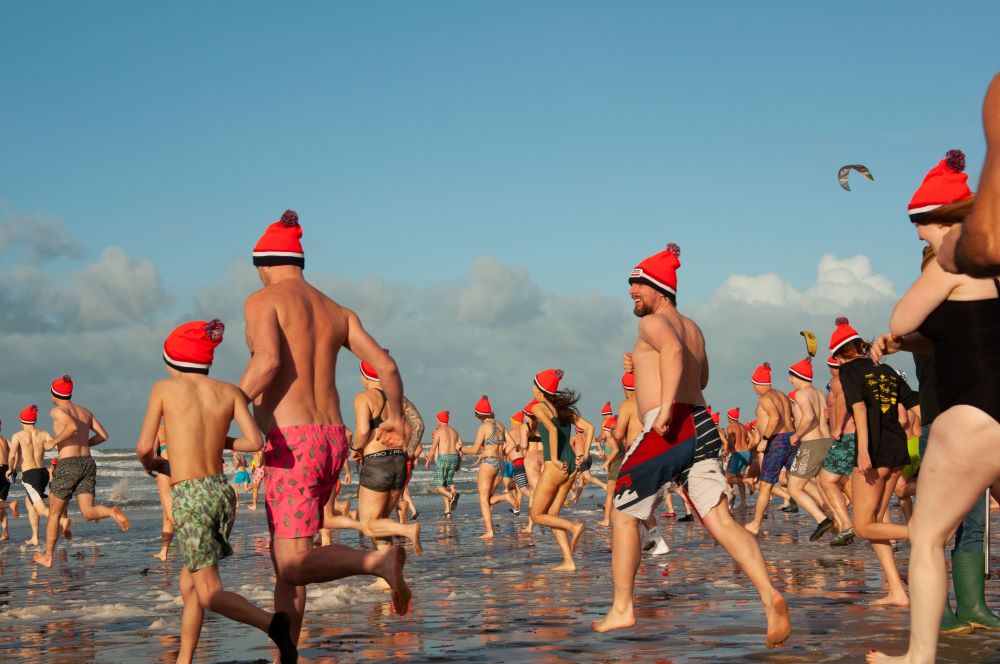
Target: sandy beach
x=107, y=600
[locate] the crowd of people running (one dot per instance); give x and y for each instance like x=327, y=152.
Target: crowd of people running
x=838, y=455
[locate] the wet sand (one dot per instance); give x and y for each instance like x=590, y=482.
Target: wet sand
x=107, y=600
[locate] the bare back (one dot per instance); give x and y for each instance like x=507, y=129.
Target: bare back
x=809, y=398
x=78, y=444
x=447, y=440
x=197, y=413
x=628, y=422
x=737, y=436
x=646, y=360
x=774, y=414
x=31, y=445
x=312, y=329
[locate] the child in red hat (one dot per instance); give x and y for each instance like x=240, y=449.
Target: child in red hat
x=198, y=411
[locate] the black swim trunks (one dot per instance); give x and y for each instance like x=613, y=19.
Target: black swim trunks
x=384, y=471
x=73, y=476
x=35, y=480
x=4, y=482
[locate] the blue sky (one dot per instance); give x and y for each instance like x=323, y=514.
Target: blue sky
x=570, y=139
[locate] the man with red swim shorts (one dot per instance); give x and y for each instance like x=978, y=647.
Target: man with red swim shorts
x=679, y=442
x=294, y=333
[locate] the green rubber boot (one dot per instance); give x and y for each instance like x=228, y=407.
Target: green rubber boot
x=970, y=590
x=950, y=624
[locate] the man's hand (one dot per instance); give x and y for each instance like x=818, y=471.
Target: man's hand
x=886, y=344
x=394, y=429
x=865, y=466
x=662, y=421
x=946, y=252
x=159, y=466
x=627, y=362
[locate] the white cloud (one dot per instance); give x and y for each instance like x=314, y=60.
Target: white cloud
x=41, y=237
x=487, y=332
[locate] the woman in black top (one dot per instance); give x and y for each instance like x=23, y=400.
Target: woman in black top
x=957, y=319
x=873, y=393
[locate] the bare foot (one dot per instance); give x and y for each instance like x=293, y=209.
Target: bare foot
x=565, y=567
x=779, y=627
x=252, y=507
x=44, y=561
x=13, y=509
x=379, y=584
x=874, y=657
x=120, y=518
x=4, y=537
x=415, y=537
x=577, y=532
x=33, y=541
x=604, y=523
x=485, y=536
x=391, y=572
x=65, y=523
x=752, y=528
x=614, y=620
x=162, y=555
x=893, y=599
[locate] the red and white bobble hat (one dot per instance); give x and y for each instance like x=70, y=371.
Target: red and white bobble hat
x=628, y=381
x=279, y=245
x=945, y=183
x=609, y=423
x=832, y=362
x=527, y=409
x=548, y=381
x=762, y=375
x=518, y=417
x=843, y=335
x=443, y=417
x=734, y=414
x=483, y=407
x=191, y=347
x=368, y=371
x=607, y=410
x=62, y=388
x=29, y=415
x=803, y=369
x=659, y=271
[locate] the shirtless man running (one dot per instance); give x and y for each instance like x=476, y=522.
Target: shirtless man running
x=679, y=440
x=774, y=422
x=294, y=333
x=445, y=444
x=812, y=440
x=29, y=450
x=76, y=472
x=6, y=466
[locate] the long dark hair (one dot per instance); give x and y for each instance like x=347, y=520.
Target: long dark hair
x=951, y=213
x=857, y=348
x=564, y=403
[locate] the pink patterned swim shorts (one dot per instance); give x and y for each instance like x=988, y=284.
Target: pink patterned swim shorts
x=302, y=464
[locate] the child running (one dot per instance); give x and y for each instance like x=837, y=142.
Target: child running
x=197, y=412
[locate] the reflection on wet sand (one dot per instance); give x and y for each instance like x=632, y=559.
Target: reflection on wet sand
x=473, y=601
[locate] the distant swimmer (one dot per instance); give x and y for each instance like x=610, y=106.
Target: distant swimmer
x=76, y=473
x=775, y=424
x=5, y=477
x=678, y=441
x=445, y=444
x=555, y=413
x=197, y=412
x=294, y=333
x=488, y=444
x=28, y=450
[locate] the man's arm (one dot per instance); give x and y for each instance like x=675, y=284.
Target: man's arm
x=264, y=342
x=364, y=346
x=251, y=440
x=362, y=424
x=145, y=447
x=67, y=429
x=977, y=241
x=663, y=338
x=15, y=455
x=100, y=433
x=434, y=448
x=768, y=418
x=806, y=421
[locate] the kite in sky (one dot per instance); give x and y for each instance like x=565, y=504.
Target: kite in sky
x=845, y=170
